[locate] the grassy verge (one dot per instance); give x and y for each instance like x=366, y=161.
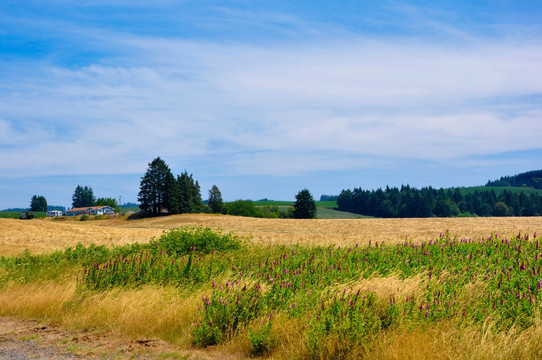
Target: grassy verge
x=445, y=298
x=16, y=214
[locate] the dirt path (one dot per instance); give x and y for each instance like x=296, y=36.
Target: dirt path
x=29, y=339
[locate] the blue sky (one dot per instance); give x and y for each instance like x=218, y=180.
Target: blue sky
x=264, y=98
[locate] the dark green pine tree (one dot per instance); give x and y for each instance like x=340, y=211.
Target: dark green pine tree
x=77, y=197
x=153, y=187
x=88, y=196
x=83, y=197
x=173, y=192
x=196, y=198
x=185, y=199
x=215, y=202
x=305, y=206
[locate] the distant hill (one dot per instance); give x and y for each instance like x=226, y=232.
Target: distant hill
x=530, y=179
x=499, y=189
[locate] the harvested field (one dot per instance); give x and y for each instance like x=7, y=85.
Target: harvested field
x=45, y=235
x=40, y=236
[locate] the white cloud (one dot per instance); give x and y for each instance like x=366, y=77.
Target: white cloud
x=288, y=104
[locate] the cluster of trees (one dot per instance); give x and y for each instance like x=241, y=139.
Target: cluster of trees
x=243, y=207
x=329, y=197
x=107, y=201
x=38, y=203
x=429, y=202
x=84, y=197
x=304, y=207
x=531, y=179
x=162, y=193
x=247, y=208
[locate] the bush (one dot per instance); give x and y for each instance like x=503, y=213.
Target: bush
x=196, y=238
x=241, y=208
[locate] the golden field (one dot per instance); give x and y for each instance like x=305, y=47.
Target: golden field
x=41, y=236
x=120, y=318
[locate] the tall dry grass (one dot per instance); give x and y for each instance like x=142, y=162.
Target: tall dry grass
x=45, y=235
x=447, y=341
x=154, y=312
x=150, y=312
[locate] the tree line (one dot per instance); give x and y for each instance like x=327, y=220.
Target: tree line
x=83, y=196
x=163, y=193
x=531, y=179
x=429, y=202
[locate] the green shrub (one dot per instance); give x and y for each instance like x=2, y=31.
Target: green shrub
x=198, y=239
x=225, y=311
x=241, y=208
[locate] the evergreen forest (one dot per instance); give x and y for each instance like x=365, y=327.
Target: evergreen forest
x=516, y=195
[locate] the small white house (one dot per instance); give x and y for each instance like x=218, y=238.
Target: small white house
x=101, y=210
x=93, y=210
x=54, y=213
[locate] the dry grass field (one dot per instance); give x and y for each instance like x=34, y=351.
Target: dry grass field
x=40, y=236
x=121, y=319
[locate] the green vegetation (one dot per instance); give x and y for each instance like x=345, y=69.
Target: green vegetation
x=304, y=207
x=247, y=208
x=161, y=193
x=494, y=283
x=429, y=202
x=319, y=204
x=530, y=179
x=16, y=214
x=38, y=203
x=125, y=209
x=273, y=203
x=83, y=197
x=330, y=213
x=215, y=201
x=328, y=204
x=499, y=190
x=107, y=202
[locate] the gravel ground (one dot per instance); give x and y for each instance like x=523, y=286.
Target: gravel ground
x=28, y=339
x=27, y=349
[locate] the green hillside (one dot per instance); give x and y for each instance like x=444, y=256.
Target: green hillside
x=322, y=204
x=499, y=189
x=532, y=179
x=325, y=209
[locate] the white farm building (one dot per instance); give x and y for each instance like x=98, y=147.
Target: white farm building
x=93, y=210
x=54, y=213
